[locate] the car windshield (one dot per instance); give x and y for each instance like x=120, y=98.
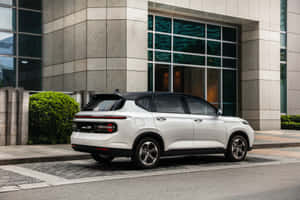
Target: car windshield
x=104, y=103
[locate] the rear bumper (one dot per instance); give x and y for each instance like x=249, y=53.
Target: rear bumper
x=103, y=150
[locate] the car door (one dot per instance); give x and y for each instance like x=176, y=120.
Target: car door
x=173, y=121
x=210, y=130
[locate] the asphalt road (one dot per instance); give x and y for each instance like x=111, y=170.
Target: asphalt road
x=260, y=182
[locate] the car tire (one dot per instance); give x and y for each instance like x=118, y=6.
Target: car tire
x=103, y=159
x=147, y=153
x=237, y=149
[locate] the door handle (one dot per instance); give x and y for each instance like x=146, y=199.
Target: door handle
x=161, y=119
x=198, y=120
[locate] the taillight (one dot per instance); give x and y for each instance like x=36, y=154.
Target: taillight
x=92, y=127
x=106, y=128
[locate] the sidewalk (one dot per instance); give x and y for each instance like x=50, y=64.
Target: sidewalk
x=46, y=153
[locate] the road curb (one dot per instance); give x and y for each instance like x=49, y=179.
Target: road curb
x=276, y=145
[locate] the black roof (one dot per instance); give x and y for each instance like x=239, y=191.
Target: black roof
x=135, y=95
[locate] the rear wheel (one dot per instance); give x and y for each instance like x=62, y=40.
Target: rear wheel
x=102, y=158
x=147, y=153
x=237, y=149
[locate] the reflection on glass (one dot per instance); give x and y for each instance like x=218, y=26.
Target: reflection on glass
x=163, y=24
x=30, y=22
x=161, y=77
x=162, y=42
x=7, y=16
x=229, y=50
x=283, y=14
x=150, y=22
x=150, y=55
x=213, y=48
x=229, y=34
x=213, y=61
x=182, y=27
x=283, y=89
x=283, y=40
x=150, y=76
x=31, y=4
x=188, y=45
x=189, y=80
x=30, y=74
x=188, y=59
x=7, y=72
x=7, y=43
x=282, y=54
x=30, y=46
x=150, y=40
x=213, y=82
x=213, y=32
x=7, y=2
x=162, y=56
x=229, y=63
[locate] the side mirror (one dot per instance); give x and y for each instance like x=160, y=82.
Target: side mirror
x=219, y=113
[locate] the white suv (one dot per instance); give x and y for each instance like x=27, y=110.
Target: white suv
x=146, y=126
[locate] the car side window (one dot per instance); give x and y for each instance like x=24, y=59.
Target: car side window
x=198, y=106
x=144, y=102
x=169, y=104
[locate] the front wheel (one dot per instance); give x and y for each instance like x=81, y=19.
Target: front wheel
x=102, y=158
x=147, y=153
x=237, y=149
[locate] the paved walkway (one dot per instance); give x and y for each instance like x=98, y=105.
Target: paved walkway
x=39, y=153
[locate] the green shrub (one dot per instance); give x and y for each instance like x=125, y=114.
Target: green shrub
x=294, y=118
x=50, y=118
x=285, y=118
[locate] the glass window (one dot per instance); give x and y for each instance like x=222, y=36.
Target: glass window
x=188, y=45
x=213, y=61
x=150, y=40
x=229, y=109
x=150, y=22
x=7, y=43
x=213, y=86
x=283, y=14
x=229, y=86
x=188, y=59
x=30, y=74
x=30, y=46
x=213, y=32
x=189, y=28
x=213, y=48
x=144, y=102
x=31, y=4
x=282, y=54
x=229, y=34
x=7, y=72
x=30, y=22
x=161, y=77
x=229, y=63
x=7, y=16
x=7, y=2
x=162, y=42
x=150, y=76
x=150, y=55
x=163, y=24
x=283, y=40
x=283, y=89
x=189, y=80
x=229, y=50
x=162, y=56
x=200, y=107
x=168, y=104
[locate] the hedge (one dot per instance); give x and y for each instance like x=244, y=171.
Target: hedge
x=50, y=118
x=290, y=122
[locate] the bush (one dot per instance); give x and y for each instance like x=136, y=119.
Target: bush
x=291, y=122
x=50, y=118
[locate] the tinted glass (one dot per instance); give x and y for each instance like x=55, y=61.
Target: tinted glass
x=30, y=22
x=168, y=104
x=213, y=61
x=150, y=22
x=229, y=109
x=213, y=32
x=161, y=77
x=7, y=2
x=189, y=28
x=229, y=86
x=283, y=40
x=31, y=4
x=200, y=107
x=150, y=40
x=188, y=45
x=213, y=48
x=162, y=56
x=189, y=80
x=7, y=71
x=150, y=77
x=283, y=89
x=30, y=46
x=230, y=63
x=163, y=24
x=7, y=16
x=213, y=84
x=7, y=43
x=229, y=34
x=283, y=15
x=229, y=50
x=189, y=59
x=162, y=42
x=150, y=55
x=144, y=103
x=282, y=54
x=30, y=74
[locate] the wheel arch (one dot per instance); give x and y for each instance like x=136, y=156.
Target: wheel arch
x=150, y=134
x=241, y=133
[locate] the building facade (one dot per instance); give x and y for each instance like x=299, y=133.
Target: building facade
x=240, y=55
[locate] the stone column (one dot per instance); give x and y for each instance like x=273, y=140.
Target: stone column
x=3, y=108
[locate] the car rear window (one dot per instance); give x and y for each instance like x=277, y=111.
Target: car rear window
x=104, y=103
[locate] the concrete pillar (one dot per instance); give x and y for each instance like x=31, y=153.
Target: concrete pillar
x=3, y=108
